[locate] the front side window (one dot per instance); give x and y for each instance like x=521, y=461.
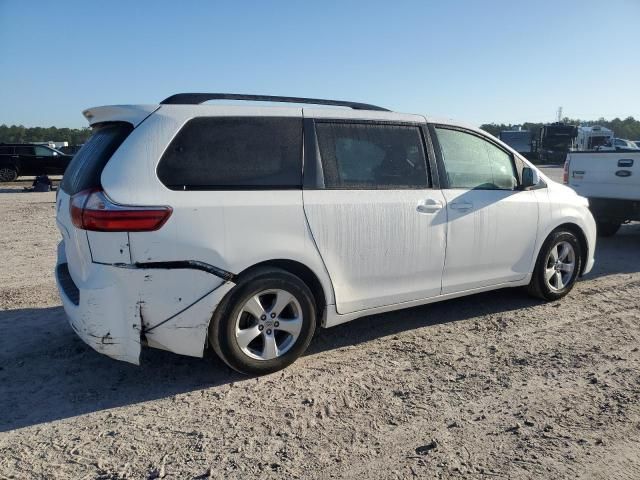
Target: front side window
x=43, y=151
x=372, y=156
x=211, y=153
x=471, y=162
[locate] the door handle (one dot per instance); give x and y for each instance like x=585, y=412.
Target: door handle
x=461, y=205
x=429, y=206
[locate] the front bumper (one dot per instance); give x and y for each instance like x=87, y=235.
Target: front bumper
x=114, y=307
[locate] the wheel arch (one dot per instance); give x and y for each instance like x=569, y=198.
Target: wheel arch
x=306, y=274
x=580, y=235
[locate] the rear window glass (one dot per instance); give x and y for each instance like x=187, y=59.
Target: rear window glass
x=372, y=156
x=85, y=168
x=234, y=153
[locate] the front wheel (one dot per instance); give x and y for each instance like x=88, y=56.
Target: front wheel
x=557, y=266
x=264, y=323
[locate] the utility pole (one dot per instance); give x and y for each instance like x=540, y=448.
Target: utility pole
x=559, y=114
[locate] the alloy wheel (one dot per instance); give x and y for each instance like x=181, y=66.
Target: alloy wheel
x=7, y=175
x=560, y=266
x=268, y=324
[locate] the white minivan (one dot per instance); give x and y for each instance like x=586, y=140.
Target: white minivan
x=250, y=226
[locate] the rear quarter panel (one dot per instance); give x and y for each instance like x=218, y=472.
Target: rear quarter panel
x=232, y=230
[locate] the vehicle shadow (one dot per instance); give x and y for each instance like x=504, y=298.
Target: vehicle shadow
x=19, y=185
x=47, y=373
x=618, y=254
x=13, y=190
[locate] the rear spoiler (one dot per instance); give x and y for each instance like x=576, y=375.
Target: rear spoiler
x=133, y=114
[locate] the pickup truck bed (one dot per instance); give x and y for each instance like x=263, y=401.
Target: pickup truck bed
x=611, y=182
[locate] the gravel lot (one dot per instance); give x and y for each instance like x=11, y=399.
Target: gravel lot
x=493, y=385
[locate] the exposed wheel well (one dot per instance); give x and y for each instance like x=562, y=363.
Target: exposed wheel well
x=577, y=231
x=304, y=273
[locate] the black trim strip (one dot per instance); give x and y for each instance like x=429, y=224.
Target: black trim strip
x=197, y=98
x=430, y=154
x=66, y=282
x=182, y=264
x=230, y=188
x=313, y=175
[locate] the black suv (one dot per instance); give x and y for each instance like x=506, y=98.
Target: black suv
x=18, y=159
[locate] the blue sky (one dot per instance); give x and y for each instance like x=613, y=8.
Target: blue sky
x=477, y=61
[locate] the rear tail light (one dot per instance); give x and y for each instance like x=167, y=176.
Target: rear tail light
x=565, y=173
x=93, y=210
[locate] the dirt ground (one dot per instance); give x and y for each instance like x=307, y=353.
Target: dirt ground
x=493, y=385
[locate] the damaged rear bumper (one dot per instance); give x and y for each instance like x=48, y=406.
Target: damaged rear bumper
x=111, y=308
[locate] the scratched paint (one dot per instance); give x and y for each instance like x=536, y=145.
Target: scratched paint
x=376, y=245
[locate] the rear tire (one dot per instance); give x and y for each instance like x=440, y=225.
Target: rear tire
x=264, y=323
x=8, y=174
x=557, y=267
x=607, y=228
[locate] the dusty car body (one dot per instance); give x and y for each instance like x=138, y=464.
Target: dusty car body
x=250, y=225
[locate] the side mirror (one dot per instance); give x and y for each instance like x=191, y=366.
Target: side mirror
x=530, y=178
x=55, y=154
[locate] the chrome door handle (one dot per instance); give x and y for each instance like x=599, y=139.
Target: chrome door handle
x=429, y=206
x=461, y=206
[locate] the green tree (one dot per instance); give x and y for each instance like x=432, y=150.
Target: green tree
x=21, y=134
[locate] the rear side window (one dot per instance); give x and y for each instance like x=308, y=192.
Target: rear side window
x=372, y=156
x=25, y=150
x=6, y=150
x=85, y=168
x=223, y=153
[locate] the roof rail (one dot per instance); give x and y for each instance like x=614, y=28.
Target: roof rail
x=197, y=98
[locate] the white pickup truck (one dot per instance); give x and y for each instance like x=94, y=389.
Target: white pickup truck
x=611, y=182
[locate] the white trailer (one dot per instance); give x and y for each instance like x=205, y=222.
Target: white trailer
x=594, y=138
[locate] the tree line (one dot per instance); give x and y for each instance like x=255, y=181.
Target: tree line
x=628, y=128
x=22, y=134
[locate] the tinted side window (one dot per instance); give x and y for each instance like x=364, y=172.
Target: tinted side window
x=6, y=150
x=234, y=153
x=474, y=163
x=24, y=150
x=44, y=151
x=372, y=156
x=85, y=168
